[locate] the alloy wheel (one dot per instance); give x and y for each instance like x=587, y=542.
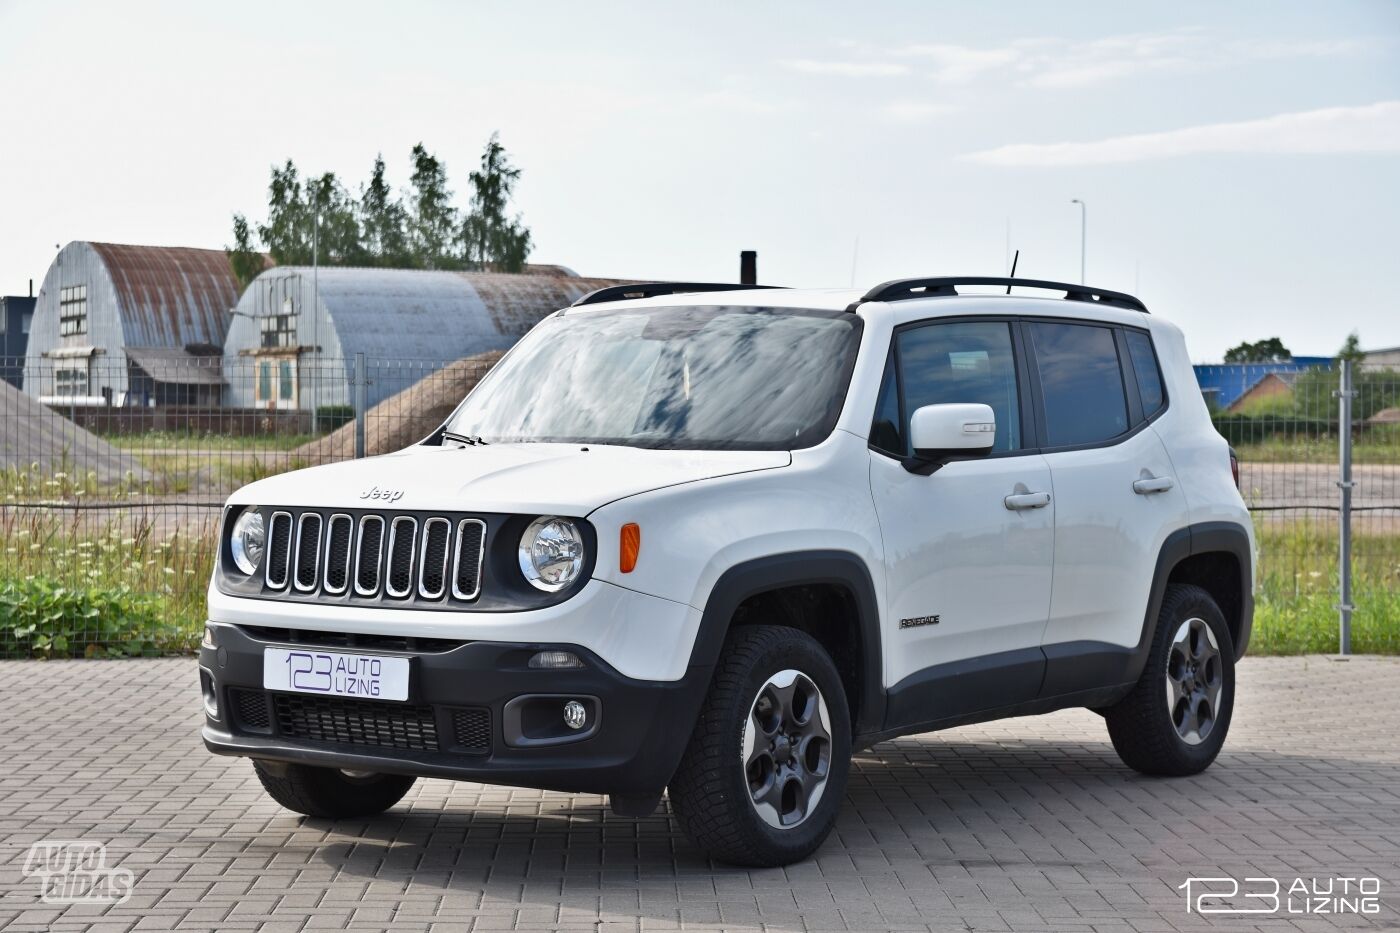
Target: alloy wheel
x=787, y=749
x=1195, y=681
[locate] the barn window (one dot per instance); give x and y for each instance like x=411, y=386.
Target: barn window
x=72, y=311
x=71, y=379
x=264, y=381
x=284, y=380
x=279, y=330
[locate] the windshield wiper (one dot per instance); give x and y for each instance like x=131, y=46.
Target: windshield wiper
x=472, y=440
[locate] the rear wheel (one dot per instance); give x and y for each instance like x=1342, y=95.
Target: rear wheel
x=1175, y=719
x=765, y=772
x=329, y=792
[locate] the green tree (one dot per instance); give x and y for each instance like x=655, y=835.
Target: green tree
x=1351, y=350
x=383, y=222
x=490, y=239
x=287, y=232
x=432, y=220
x=243, y=256
x=1263, y=351
x=336, y=226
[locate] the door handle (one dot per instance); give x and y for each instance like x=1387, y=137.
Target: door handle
x=1027, y=500
x=1152, y=484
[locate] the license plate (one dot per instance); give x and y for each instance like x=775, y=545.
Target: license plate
x=334, y=673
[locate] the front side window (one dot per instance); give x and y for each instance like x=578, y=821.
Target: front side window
x=1081, y=381
x=950, y=363
x=685, y=378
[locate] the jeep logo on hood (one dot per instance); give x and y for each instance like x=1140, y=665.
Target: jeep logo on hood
x=386, y=495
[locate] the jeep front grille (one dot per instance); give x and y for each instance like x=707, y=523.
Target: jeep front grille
x=400, y=557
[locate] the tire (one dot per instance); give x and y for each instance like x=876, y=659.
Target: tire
x=330, y=793
x=1174, y=721
x=769, y=689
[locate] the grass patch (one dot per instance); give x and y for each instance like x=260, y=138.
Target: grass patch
x=182, y=440
x=1295, y=608
x=67, y=592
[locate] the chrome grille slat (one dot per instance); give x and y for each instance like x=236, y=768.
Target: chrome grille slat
x=308, y=551
x=432, y=565
x=403, y=542
x=279, y=550
x=468, y=557
x=339, y=531
x=369, y=550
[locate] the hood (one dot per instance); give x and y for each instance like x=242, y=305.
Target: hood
x=544, y=479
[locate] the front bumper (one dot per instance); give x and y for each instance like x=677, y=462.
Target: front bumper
x=460, y=721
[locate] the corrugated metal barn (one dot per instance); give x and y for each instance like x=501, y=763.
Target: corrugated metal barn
x=118, y=324
x=294, y=335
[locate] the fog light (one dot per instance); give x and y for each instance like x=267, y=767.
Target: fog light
x=208, y=636
x=574, y=714
x=555, y=660
x=211, y=697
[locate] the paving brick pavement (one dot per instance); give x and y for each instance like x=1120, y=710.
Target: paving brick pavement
x=1024, y=825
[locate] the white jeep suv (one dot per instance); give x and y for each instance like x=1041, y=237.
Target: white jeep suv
x=713, y=539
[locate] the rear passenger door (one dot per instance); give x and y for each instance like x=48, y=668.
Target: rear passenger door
x=1116, y=493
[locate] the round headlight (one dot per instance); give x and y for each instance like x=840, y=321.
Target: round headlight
x=248, y=542
x=551, y=553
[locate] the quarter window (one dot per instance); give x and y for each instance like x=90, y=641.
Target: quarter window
x=950, y=363
x=1149, y=376
x=1082, y=383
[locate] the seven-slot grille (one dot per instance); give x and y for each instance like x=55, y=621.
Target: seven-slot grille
x=399, y=557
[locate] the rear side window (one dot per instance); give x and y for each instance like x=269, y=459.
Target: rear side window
x=952, y=362
x=1081, y=381
x=1149, y=375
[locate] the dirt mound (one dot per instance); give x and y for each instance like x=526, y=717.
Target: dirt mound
x=407, y=417
x=31, y=432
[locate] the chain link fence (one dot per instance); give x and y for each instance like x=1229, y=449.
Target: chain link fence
x=1289, y=432
x=112, y=475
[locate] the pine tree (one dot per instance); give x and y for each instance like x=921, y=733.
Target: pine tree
x=490, y=239
x=432, y=220
x=383, y=222
x=287, y=232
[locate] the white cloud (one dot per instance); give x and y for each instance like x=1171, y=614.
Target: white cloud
x=1063, y=63
x=914, y=111
x=1368, y=129
x=847, y=69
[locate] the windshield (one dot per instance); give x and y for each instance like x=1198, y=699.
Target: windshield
x=692, y=378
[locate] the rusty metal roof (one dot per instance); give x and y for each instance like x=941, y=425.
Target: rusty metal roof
x=171, y=296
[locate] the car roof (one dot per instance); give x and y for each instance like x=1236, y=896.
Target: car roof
x=841, y=299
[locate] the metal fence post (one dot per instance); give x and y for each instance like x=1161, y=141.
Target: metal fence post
x=1344, y=607
x=361, y=397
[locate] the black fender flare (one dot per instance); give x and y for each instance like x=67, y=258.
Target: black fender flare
x=1201, y=538
x=797, y=568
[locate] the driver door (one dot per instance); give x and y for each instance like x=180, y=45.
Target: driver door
x=968, y=549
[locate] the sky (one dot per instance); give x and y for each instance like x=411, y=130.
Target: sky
x=1239, y=163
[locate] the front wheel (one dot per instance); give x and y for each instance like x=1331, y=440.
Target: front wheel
x=1175, y=719
x=329, y=792
x=765, y=772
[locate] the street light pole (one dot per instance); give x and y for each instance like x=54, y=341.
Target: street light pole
x=1083, y=236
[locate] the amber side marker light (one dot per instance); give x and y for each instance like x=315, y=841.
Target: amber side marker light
x=630, y=548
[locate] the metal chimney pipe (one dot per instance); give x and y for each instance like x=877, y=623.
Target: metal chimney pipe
x=31, y=288
x=748, y=267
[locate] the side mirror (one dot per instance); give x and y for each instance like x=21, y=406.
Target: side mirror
x=939, y=434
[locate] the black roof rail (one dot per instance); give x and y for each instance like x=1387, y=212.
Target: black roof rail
x=652, y=289
x=947, y=287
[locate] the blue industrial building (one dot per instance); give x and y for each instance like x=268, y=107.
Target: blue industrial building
x=16, y=314
x=1222, y=384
